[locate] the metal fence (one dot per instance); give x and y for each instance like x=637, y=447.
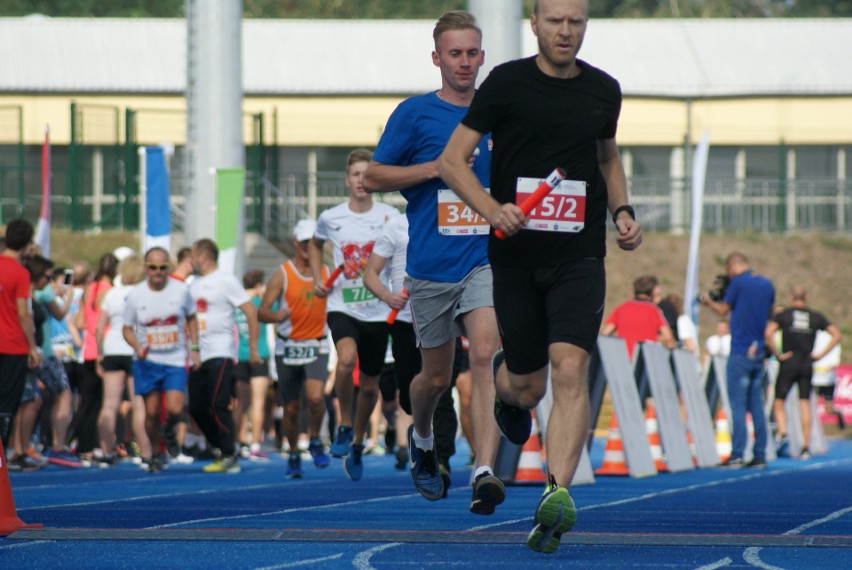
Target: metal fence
x=662, y=204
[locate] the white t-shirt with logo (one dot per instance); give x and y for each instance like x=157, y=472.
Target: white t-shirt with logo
x=159, y=320
x=217, y=295
x=392, y=244
x=353, y=234
x=113, y=305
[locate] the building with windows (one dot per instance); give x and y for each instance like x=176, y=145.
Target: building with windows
x=774, y=95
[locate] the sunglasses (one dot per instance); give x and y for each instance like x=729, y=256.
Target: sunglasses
x=153, y=267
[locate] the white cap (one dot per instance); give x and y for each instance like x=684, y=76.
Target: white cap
x=121, y=252
x=305, y=230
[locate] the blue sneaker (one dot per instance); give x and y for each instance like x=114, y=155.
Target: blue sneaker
x=514, y=422
x=554, y=515
x=294, y=466
x=488, y=492
x=353, y=466
x=343, y=441
x=424, y=470
x=317, y=451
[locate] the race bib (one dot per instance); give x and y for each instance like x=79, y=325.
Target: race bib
x=563, y=210
x=64, y=351
x=301, y=352
x=162, y=338
x=355, y=294
x=455, y=218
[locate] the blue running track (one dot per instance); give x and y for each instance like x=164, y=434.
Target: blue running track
x=793, y=515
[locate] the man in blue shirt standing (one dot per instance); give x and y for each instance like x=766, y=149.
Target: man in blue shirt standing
x=749, y=299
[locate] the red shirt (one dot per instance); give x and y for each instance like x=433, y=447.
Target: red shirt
x=636, y=321
x=14, y=284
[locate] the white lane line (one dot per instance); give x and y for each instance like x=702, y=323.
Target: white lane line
x=752, y=555
x=718, y=564
x=287, y=511
x=362, y=560
x=146, y=497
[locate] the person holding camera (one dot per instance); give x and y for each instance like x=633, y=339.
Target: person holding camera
x=748, y=298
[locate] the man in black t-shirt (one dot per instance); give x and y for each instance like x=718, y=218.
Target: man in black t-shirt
x=543, y=112
x=798, y=325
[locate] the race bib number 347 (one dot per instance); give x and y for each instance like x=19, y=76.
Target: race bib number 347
x=563, y=210
x=455, y=218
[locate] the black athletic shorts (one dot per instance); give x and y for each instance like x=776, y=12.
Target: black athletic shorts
x=371, y=338
x=539, y=306
x=118, y=363
x=245, y=370
x=797, y=370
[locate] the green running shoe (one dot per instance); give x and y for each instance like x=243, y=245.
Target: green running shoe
x=554, y=515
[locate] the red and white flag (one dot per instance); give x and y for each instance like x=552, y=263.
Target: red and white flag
x=42, y=237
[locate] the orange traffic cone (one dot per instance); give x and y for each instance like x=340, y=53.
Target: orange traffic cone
x=723, y=435
x=653, y=431
x=9, y=521
x=614, y=461
x=693, y=449
x=531, y=466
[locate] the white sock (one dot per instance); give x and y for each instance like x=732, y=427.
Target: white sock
x=482, y=469
x=424, y=443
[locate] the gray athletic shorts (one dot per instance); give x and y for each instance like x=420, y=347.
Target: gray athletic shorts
x=436, y=306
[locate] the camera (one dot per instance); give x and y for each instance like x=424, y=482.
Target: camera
x=720, y=287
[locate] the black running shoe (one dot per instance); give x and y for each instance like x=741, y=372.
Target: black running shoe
x=488, y=492
x=424, y=470
x=514, y=422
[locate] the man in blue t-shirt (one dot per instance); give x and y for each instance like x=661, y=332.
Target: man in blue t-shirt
x=749, y=299
x=448, y=273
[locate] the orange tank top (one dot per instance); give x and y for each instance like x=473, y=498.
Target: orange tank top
x=307, y=311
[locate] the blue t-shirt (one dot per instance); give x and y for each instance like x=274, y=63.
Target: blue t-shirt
x=417, y=132
x=750, y=297
x=242, y=329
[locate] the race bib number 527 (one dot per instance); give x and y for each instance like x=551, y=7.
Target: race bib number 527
x=562, y=210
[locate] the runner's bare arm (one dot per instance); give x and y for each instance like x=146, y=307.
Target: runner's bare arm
x=374, y=284
x=274, y=288
x=629, y=230
x=315, y=254
x=388, y=178
x=456, y=173
x=250, y=312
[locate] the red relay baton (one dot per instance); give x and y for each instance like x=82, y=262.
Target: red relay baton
x=333, y=277
x=394, y=312
x=534, y=199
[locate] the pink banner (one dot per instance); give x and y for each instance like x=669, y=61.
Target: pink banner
x=842, y=397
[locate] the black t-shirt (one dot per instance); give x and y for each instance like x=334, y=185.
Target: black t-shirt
x=670, y=313
x=798, y=329
x=538, y=123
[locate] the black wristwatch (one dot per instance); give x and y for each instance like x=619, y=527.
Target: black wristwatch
x=625, y=208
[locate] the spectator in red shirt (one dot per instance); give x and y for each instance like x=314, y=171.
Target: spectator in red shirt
x=18, y=348
x=639, y=318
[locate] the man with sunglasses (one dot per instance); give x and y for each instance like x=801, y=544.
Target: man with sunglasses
x=156, y=315
x=217, y=296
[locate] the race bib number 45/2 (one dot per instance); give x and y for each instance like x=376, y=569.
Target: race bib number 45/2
x=455, y=218
x=563, y=210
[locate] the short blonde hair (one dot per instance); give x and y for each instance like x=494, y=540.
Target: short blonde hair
x=455, y=20
x=131, y=269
